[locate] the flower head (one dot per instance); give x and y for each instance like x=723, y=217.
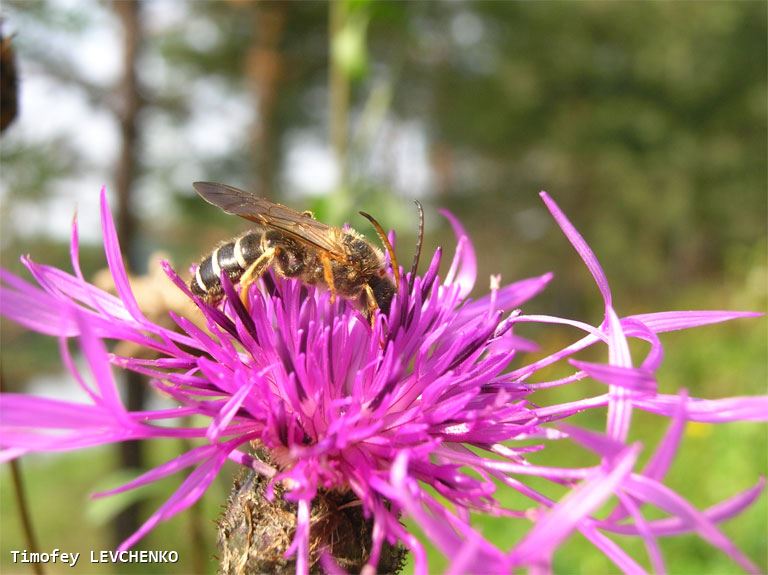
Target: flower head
x=418, y=414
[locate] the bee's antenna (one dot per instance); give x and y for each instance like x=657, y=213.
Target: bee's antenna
x=417, y=255
x=384, y=240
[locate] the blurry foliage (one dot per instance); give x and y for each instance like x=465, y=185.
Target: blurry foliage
x=34, y=167
x=646, y=121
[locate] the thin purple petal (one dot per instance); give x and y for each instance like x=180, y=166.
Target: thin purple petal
x=631, y=378
x=185, y=496
x=581, y=246
x=464, y=265
x=675, y=320
x=560, y=521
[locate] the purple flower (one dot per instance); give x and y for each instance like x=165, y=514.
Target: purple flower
x=415, y=411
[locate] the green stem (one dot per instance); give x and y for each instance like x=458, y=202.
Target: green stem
x=21, y=504
x=24, y=515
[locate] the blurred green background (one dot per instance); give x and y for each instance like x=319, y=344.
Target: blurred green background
x=645, y=121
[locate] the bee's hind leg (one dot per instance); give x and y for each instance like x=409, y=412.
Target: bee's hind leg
x=254, y=272
x=370, y=304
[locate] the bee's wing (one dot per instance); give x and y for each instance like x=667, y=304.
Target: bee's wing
x=301, y=227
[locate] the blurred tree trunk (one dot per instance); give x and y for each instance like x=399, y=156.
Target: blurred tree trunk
x=264, y=73
x=128, y=110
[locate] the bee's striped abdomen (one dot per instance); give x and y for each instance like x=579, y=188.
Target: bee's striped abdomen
x=233, y=258
x=225, y=256
x=248, y=249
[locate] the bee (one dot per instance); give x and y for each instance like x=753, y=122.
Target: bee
x=295, y=245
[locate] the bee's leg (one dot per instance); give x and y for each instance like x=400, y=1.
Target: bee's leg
x=370, y=311
x=254, y=272
x=370, y=303
x=328, y=275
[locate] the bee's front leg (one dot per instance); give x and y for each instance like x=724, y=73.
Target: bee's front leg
x=328, y=275
x=254, y=272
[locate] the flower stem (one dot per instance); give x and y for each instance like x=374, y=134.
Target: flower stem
x=21, y=504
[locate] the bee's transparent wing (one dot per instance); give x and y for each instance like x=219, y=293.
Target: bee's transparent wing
x=297, y=225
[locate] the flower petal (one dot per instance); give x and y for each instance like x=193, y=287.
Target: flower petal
x=631, y=378
x=186, y=495
x=464, y=264
x=675, y=320
x=661, y=496
x=561, y=520
x=581, y=246
x=176, y=464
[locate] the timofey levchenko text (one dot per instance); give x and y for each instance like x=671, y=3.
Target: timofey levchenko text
x=102, y=556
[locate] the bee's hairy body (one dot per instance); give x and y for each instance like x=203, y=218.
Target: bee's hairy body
x=360, y=277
